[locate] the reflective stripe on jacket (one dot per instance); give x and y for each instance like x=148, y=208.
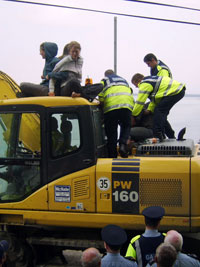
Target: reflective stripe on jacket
x=143, y=249
x=155, y=88
x=116, y=94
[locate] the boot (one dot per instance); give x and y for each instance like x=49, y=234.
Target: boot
x=123, y=151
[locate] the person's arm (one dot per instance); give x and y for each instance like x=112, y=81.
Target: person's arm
x=51, y=88
x=61, y=75
x=144, y=91
x=151, y=107
x=62, y=62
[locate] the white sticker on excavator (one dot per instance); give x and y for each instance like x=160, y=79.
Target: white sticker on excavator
x=62, y=193
x=103, y=183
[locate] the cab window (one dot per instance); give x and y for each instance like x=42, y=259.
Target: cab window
x=20, y=155
x=65, y=134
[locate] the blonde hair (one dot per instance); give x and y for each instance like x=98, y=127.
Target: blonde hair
x=68, y=47
x=74, y=44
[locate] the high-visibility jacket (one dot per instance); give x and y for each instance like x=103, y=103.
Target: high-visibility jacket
x=143, y=249
x=116, y=94
x=155, y=88
x=161, y=69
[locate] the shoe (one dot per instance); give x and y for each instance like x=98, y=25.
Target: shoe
x=122, y=151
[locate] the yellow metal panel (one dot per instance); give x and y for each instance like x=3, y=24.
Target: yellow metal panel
x=104, y=185
x=195, y=186
x=89, y=220
x=30, y=131
x=6, y=91
x=36, y=201
x=166, y=182
x=48, y=101
x=73, y=192
x=162, y=181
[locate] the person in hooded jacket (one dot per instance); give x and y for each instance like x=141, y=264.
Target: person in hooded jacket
x=48, y=51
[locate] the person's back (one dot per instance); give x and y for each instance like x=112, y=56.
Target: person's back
x=116, y=93
x=117, y=101
x=116, y=260
x=143, y=247
x=114, y=237
x=165, y=256
x=184, y=260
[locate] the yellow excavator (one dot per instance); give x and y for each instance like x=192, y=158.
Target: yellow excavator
x=58, y=188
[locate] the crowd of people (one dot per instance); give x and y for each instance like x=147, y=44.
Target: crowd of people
x=138, y=120
x=152, y=248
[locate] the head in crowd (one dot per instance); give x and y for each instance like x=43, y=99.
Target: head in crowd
x=91, y=257
x=42, y=52
x=151, y=60
x=114, y=237
x=153, y=216
x=175, y=239
x=74, y=49
x=48, y=50
x=4, y=246
x=165, y=255
x=137, y=78
x=108, y=73
x=66, y=50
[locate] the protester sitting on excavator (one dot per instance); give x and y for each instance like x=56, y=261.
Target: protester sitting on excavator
x=69, y=67
x=48, y=51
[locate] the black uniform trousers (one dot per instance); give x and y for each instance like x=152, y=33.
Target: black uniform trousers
x=162, y=110
x=112, y=119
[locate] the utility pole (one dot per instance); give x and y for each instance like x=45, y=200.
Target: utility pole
x=115, y=45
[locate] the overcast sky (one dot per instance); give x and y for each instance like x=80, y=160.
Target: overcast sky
x=24, y=27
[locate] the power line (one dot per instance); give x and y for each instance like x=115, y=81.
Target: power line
x=162, y=4
x=105, y=12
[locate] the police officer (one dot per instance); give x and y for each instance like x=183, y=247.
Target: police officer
x=143, y=247
x=114, y=237
x=117, y=101
x=157, y=67
x=163, y=92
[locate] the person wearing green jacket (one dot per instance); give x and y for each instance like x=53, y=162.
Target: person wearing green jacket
x=157, y=67
x=163, y=93
x=117, y=101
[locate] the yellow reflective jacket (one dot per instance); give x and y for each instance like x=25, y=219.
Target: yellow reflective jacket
x=161, y=69
x=116, y=94
x=155, y=88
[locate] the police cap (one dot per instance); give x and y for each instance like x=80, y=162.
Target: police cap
x=154, y=212
x=113, y=235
